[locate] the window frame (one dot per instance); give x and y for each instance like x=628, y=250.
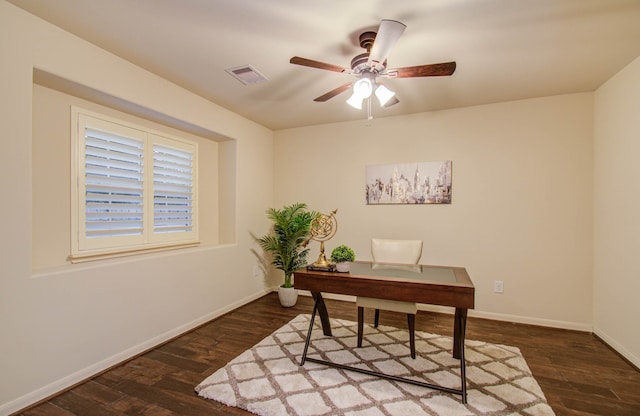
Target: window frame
x=87, y=248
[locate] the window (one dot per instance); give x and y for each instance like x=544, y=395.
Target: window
x=133, y=189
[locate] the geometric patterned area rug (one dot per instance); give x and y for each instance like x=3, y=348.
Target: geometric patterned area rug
x=267, y=379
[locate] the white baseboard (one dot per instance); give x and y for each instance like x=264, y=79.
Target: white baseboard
x=633, y=359
x=550, y=323
x=89, y=372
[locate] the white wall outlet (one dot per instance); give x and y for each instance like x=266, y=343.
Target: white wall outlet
x=498, y=286
x=257, y=271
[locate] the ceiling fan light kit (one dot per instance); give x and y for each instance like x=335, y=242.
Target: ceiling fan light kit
x=363, y=87
x=371, y=65
x=362, y=90
x=384, y=94
x=355, y=101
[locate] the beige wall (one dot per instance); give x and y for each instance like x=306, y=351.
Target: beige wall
x=522, y=197
x=51, y=170
x=616, y=206
x=64, y=324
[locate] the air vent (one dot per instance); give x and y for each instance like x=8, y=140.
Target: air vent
x=246, y=74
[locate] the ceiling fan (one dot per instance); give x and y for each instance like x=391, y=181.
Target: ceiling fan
x=370, y=66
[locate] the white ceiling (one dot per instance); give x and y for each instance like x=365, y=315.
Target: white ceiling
x=505, y=49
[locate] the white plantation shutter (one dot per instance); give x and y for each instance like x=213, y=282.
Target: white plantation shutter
x=114, y=185
x=133, y=189
x=172, y=190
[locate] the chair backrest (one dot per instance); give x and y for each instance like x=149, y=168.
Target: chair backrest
x=396, y=251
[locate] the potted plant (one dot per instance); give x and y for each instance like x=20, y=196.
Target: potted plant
x=342, y=256
x=286, y=241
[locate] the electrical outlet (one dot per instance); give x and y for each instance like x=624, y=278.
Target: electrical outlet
x=498, y=286
x=257, y=272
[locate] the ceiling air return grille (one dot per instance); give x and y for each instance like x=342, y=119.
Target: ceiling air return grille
x=246, y=74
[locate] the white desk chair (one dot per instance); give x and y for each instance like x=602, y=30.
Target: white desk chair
x=392, y=251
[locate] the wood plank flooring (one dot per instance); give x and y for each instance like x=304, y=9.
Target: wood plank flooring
x=579, y=374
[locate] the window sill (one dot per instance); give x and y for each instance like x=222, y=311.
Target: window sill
x=87, y=257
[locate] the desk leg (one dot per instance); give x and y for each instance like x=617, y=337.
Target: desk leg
x=459, y=329
x=324, y=315
x=308, y=340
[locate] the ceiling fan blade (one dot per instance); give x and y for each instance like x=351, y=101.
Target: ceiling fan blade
x=388, y=34
x=317, y=64
x=432, y=70
x=333, y=92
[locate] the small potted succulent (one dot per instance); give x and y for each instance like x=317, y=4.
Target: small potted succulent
x=342, y=256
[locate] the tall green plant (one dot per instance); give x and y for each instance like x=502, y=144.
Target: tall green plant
x=291, y=229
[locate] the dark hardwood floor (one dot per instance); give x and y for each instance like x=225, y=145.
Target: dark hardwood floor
x=578, y=373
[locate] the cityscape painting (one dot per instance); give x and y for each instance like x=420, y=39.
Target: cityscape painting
x=409, y=183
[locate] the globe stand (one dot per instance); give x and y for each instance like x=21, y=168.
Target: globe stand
x=322, y=262
x=322, y=229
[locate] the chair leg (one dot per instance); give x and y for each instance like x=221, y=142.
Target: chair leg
x=377, y=318
x=360, y=325
x=411, y=320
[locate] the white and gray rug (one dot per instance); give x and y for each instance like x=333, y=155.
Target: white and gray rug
x=267, y=379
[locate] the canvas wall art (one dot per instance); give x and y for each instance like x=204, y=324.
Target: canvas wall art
x=409, y=183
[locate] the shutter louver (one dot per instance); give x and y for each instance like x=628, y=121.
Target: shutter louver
x=113, y=185
x=172, y=190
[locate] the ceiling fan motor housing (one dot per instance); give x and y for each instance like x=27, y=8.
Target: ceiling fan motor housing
x=360, y=62
x=367, y=39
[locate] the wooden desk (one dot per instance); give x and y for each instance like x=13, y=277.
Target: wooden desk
x=435, y=285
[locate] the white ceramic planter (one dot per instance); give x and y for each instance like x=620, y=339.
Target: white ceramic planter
x=343, y=267
x=288, y=296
